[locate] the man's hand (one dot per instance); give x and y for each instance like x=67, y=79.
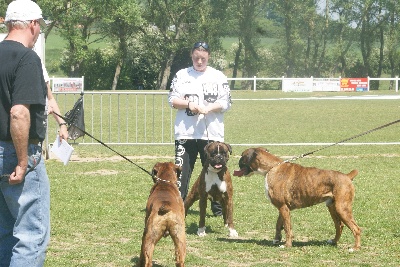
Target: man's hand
x=63, y=132
x=18, y=175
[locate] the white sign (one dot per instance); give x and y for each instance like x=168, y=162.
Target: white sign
x=297, y=85
x=73, y=85
x=326, y=84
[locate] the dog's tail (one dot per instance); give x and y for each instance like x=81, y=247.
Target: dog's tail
x=352, y=174
x=165, y=208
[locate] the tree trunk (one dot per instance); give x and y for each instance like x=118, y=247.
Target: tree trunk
x=236, y=65
x=289, y=40
x=167, y=72
x=324, y=40
x=116, y=75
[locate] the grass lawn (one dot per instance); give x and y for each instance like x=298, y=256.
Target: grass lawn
x=98, y=199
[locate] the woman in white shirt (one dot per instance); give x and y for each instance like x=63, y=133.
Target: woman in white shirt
x=202, y=96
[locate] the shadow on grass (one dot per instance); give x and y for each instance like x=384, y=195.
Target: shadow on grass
x=193, y=227
x=268, y=243
x=193, y=212
x=135, y=260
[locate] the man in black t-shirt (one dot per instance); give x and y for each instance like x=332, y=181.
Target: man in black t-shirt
x=25, y=189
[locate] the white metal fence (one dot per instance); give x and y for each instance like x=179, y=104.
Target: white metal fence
x=315, y=84
x=122, y=117
x=127, y=117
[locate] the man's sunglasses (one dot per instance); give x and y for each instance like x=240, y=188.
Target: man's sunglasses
x=201, y=44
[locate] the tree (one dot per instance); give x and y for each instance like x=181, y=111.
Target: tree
x=246, y=13
x=345, y=30
x=120, y=26
x=393, y=38
x=316, y=28
x=174, y=25
x=75, y=22
x=288, y=9
x=170, y=25
x=155, y=36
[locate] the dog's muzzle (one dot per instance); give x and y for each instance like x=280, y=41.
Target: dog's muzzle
x=244, y=170
x=218, y=161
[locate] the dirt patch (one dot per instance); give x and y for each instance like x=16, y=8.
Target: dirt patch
x=116, y=158
x=102, y=172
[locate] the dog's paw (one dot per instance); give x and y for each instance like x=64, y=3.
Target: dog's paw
x=201, y=232
x=233, y=233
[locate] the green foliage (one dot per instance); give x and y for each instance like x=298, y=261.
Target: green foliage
x=98, y=69
x=3, y=8
x=308, y=41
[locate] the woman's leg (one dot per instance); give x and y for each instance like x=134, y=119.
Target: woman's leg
x=185, y=157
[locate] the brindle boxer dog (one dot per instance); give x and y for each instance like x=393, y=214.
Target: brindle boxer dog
x=165, y=215
x=214, y=183
x=290, y=186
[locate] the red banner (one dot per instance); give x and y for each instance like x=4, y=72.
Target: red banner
x=354, y=84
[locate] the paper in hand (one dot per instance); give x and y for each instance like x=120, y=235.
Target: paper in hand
x=62, y=150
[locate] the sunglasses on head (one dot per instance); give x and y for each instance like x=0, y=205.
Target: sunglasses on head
x=201, y=44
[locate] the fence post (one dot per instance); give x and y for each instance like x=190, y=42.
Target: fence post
x=368, y=83
x=397, y=83
x=254, y=83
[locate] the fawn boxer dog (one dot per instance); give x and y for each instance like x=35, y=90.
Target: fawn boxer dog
x=214, y=183
x=291, y=186
x=165, y=214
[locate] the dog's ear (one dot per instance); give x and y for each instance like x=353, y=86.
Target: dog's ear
x=249, y=151
x=206, y=148
x=229, y=148
x=252, y=153
x=155, y=170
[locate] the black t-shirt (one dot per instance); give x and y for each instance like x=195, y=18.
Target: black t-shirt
x=21, y=82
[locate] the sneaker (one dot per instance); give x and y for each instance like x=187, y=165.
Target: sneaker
x=216, y=208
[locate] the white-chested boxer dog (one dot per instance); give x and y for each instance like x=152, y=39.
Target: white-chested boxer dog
x=214, y=183
x=165, y=214
x=291, y=186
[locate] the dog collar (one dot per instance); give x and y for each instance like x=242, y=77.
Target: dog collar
x=162, y=180
x=285, y=161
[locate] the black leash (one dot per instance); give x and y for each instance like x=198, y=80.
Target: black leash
x=345, y=140
x=91, y=136
x=205, y=122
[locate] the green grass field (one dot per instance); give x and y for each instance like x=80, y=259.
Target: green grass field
x=98, y=199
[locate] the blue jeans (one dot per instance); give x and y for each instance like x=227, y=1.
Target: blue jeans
x=24, y=211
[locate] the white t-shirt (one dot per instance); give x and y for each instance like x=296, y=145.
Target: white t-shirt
x=210, y=86
x=45, y=74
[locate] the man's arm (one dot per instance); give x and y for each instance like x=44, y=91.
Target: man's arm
x=20, y=122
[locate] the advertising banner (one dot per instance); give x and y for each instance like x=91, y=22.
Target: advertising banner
x=71, y=85
x=326, y=84
x=297, y=85
x=354, y=84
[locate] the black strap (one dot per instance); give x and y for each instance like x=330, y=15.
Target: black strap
x=353, y=137
x=67, y=120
